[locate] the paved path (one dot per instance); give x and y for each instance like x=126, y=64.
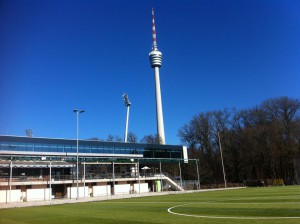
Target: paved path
x=103, y=198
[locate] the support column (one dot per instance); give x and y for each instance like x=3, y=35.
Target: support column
x=198, y=185
x=180, y=174
x=139, y=176
x=10, y=180
x=84, y=178
x=50, y=186
x=113, y=164
x=161, y=187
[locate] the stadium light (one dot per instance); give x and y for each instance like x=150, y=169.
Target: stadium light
x=127, y=104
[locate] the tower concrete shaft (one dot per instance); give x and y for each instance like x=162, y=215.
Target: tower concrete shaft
x=159, y=111
x=155, y=57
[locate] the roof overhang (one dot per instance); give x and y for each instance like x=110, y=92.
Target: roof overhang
x=70, y=154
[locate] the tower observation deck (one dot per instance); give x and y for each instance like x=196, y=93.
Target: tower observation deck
x=155, y=57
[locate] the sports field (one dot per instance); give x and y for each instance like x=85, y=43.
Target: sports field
x=251, y=205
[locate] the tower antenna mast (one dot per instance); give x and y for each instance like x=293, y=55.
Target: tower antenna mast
x=153, y=31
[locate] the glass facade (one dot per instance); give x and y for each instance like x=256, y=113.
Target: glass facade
x=47, y=145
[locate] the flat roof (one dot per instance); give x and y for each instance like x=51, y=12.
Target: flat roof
x=82, y=141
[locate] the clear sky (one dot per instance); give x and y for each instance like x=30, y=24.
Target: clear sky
x=57, y=55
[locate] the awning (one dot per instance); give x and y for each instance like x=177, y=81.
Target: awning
x=26, y=165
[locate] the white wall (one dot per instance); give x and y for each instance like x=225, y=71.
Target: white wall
x=101, y=190
x=15, y=196
x=122, y=189
x=38, y=194
x=142, y=189
x=83, y=191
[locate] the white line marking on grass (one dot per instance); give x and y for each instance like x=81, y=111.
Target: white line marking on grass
x=265, y=197
x=141, y=202
x=222, y=217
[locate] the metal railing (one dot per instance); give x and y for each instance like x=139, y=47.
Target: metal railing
x=88, y=176
x=72, y=177
x=36, y=178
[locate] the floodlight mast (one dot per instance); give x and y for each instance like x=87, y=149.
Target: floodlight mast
x=77, y=148
x=224, y=174
x=127, y=104
x=155, y=60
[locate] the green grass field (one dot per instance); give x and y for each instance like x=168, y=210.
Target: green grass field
x=252, y=205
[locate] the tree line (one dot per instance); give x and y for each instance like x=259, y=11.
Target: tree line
x=259, y=143
x=131, y=137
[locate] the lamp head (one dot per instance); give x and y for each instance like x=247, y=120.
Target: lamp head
x=76, y=111
x=126, y=100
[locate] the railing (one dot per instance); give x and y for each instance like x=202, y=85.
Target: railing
x=36, y=178
x=171, y=177
x=81, y=177
x=69, y=177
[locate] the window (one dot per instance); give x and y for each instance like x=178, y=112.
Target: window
x=21, y=147
x=68, y=148
x=94, y=149
x=60, y=148
x=38, y=148
x=30, y=147
x=52, y=148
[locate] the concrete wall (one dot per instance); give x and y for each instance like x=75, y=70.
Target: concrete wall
x=122, y=189
x=83, y=191
x=101, y=190
x=142, y=188
x=43, y=194
x=6, y=198
x=38, y=194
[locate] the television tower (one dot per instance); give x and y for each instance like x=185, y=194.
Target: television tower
x=155, y=61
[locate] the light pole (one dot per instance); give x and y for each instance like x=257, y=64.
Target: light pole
x=77, y=131
x=127, y=104
x=224, y=175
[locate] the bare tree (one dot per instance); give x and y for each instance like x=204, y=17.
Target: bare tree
x=110, y=138
x=258, y=143
x=132, y=137
x=95, y=139
x=150, y=139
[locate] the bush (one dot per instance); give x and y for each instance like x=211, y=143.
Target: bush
x=278, y=182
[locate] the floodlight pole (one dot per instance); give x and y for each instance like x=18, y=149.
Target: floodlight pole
x=127, y=104
x=224, y=175
x=77, y=148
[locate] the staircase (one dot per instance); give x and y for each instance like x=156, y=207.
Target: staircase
x=170, y=180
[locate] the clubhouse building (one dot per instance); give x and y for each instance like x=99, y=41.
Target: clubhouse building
x=45, y=168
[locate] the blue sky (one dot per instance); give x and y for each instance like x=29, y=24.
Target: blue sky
x=59, y=55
